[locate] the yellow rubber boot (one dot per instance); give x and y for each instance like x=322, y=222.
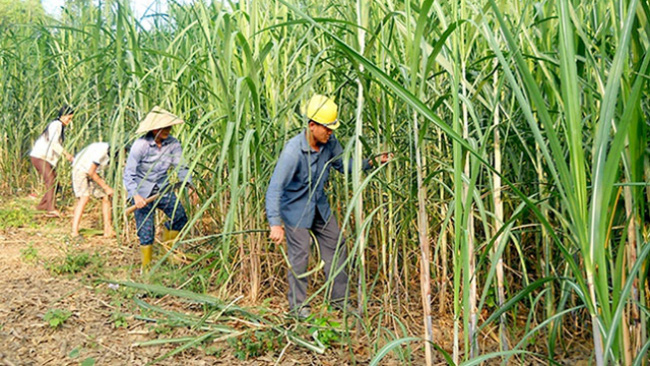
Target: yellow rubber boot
x=168, y=235
x=168, y=241
x=146, y=257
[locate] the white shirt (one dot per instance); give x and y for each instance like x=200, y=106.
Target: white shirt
x=95, y=153
x=47, y=146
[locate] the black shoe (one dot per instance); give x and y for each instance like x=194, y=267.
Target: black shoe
x=301, y=313
x=345, y=307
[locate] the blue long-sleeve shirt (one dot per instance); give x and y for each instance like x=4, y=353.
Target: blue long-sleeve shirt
x=297, y=186
x=148, y=165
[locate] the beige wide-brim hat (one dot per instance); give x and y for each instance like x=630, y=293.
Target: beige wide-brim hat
x=158, y=118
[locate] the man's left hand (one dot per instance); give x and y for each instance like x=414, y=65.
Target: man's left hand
x=383, y=158
x=386, y=157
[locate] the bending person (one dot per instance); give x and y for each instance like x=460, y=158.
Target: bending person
x=86, y=181
x=146, y=174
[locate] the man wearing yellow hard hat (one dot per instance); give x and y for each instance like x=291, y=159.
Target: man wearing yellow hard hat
x=296, y=203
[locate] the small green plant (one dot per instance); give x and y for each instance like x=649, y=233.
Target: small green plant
x=74, y=353
x=162, y=329
x=72, y=263
x=255, y=344
x=118, y=293
x=56, y=317
x=213, y=351
x=88, y=362
x=97, y=263
x=325, y=330
x=164, y=326
x=490, y=299
x=119, y=320
x=197, y=283
x=91, y=341
x=29, y=254
x=15, y=218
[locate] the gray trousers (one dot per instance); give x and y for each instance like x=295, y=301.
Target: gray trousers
x=298, y=247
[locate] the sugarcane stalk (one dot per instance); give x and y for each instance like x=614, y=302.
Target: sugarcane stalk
x=498, y=216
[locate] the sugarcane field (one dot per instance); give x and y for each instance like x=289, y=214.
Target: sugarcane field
x=337, y=182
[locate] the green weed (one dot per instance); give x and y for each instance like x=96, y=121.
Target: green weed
x=197, y=283
x=119, y=320
x=29, y=254
x=255, y=344
x=72, y=263
x=325, y=330
x=88, y=362
x=16, y=217
x=74, y=353
x=161, y=329
x=121, y=293
x=213, y=351
x=97, y=263
x=56, y=317
x=91, y=341
x=76, y=262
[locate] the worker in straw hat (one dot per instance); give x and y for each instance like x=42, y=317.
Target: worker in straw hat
x=147, y=174
x=296, y=203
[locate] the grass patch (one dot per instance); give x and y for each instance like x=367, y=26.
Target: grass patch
x=119, y=320
x=29, y=254
x=16, y=217
x=71, y=263
x=325, y=330
x=75, y=262
x=88, y=362
x=56, y=317
x=255, y=344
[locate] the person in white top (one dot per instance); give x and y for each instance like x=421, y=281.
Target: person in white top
x=45, y=154
x=86, y=181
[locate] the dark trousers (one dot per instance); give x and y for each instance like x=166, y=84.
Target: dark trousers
x=49, y=177
x=144, y=217
x=298, y=247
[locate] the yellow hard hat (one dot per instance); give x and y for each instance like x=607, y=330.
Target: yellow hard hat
x=322, y=110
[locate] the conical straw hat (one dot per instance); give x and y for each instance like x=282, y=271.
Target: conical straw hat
x=158, y=118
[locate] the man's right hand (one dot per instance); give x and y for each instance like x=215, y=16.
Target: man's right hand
x=277, y=234
x=139, y=201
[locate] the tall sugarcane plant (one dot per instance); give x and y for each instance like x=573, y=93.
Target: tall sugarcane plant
x=516, y=203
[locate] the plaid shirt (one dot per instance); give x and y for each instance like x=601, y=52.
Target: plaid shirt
x=147, y=165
